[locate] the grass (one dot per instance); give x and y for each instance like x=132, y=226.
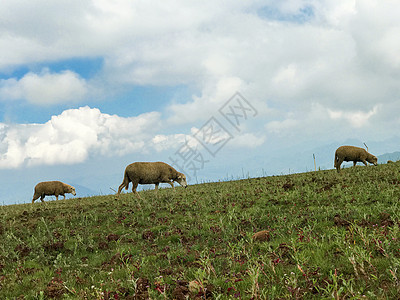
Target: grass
x=330, y=236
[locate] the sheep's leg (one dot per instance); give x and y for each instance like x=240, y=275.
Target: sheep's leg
x=124, y=184
x=56, y=197
x=365, y=162
x=35, y=197
x=354, y=163
x=120, y=189
x=134, y=186
x=338, y=163
x=172, y=185
x=41, y=198
x=156, y=189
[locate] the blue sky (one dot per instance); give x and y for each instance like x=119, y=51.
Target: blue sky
x=127, y=101
x=89, y=83
x=302, y=15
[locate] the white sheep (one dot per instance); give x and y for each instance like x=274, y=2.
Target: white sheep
x=354, y=154
x=52, y=188
x=150, y=173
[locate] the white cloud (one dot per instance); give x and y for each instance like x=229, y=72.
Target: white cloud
x=279, y=126
x=355, y=118
x=247, y=140
x=74, y=135
x=45, y=88
x=333, y=55
x=162, y=142
x=316, y=124
x=205, y=106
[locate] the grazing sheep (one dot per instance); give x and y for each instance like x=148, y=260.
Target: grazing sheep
x=355, y=154
x=52, y=188
x=150, y=173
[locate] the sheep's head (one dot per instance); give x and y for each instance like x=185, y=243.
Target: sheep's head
x=181, y=179
x=373, y=160
x=72, y=190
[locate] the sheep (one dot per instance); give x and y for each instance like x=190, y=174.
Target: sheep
x=52, y=188
x=355, y=154
x=150, y=173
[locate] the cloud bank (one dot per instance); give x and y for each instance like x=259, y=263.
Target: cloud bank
x=74, y=135
x=77, y=134
x=45, y=88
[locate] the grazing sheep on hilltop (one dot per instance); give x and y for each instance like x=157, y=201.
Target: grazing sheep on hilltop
x=150, y=173
x=52, y=188
x=355, y=154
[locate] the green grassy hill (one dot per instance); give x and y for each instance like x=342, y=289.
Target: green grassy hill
x=328, y=235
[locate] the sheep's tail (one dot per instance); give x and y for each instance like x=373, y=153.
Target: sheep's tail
x=126, y=181
x=124, y=184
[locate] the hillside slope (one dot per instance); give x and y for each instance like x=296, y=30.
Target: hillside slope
x=394, y=156
x=328, y=235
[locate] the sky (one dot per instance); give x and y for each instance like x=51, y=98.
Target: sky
x=219, y=89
